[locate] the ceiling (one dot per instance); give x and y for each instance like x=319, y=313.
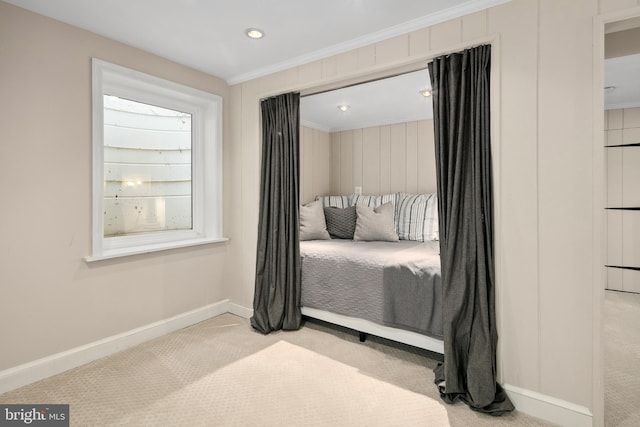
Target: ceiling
x=381, y=102
x=209, y=35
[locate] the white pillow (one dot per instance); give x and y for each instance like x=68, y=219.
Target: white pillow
x=375, y=224
x=417, y=217
x=377, y=200
x=312, y=222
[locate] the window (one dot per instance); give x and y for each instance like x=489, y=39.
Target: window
x=157, y=164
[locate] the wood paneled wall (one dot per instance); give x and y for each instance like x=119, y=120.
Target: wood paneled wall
x=549, y=216
x=622, y=128
x=315, y=163
x=380, y=159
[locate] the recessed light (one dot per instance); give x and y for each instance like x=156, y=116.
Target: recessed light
x=425, y=92
x=254, y=33
x=609, y=89
x=344, y=107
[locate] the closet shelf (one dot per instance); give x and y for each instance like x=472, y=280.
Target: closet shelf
x=630, y=208
x=636, y=144
x=623, y=267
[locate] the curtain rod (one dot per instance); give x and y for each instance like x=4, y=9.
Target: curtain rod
x=362, y=82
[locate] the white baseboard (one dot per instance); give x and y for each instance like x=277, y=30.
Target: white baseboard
x=529, y=402
x=30, y=372
x=239, y=310
x=549, y=408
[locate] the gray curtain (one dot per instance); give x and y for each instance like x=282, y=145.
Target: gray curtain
x=276, y=301
x=460, y=84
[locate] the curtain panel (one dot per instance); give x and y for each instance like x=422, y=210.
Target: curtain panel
x=460, y=84
x=276, y=303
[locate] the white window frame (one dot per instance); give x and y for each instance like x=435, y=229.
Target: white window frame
x=206, y=160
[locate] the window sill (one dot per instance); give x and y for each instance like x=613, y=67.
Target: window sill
x=138, y=250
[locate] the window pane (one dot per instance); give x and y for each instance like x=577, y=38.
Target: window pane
x=147, y=168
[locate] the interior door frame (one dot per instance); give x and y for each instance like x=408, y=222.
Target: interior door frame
x=599, y=199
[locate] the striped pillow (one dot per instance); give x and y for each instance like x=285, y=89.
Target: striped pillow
x=417, y=217
x=335, y=201
x=374, y=201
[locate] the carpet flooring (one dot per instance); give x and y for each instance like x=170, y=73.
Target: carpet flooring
x=622, y=359
x=222, y=373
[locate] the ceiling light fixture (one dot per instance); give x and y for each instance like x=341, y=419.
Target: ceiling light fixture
x=254, y=33
x=344, y=107
x=609, y=89
x=425, y=92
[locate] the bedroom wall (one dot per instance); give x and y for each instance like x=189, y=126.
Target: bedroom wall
x=384, y=159
x=53, y=301
x=380, y=159
x=315, y=164
x=548, y=180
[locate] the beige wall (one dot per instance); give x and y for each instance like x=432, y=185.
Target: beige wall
x=548, y=178
x=315, y=164
x=51, y=299
x=622, y=127
x=384, y=159
x=380, y=159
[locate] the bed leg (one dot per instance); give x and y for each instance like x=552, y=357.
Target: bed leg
x=363, y=336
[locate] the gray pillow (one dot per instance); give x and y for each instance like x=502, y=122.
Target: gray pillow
x=312, y=224
x=375, y=224
x=341, y=223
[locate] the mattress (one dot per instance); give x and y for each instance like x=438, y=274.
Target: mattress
x=393, y=284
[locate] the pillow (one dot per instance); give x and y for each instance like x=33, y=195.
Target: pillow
x=312, y=224
x=417, y=217
x=335, y=201
x=375, y=201
x=341, y=223
x=375, y=224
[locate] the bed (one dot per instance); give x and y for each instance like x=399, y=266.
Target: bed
x=388, y=289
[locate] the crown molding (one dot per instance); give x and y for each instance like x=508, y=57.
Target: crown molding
x=467, y=8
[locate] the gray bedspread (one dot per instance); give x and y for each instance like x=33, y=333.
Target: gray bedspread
x=390, y=283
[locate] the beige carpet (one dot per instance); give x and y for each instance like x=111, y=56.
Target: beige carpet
x=221, y=373
x=622, y=359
